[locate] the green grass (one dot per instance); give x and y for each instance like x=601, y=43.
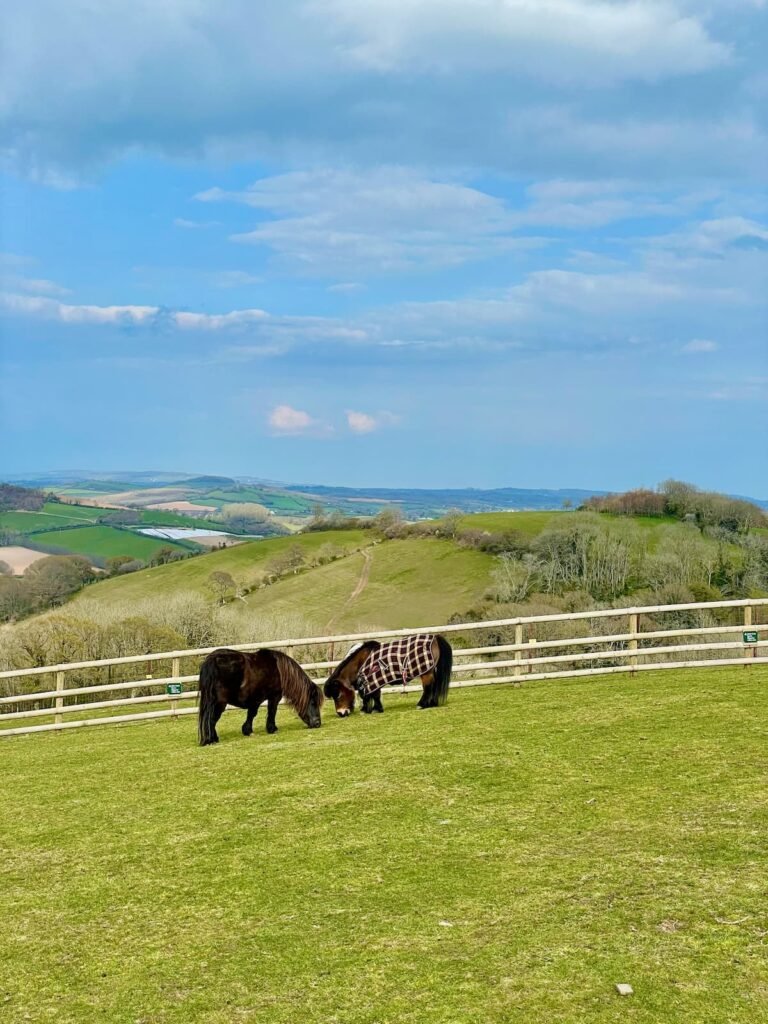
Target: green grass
x=285, y=504
x=530, y=523
x=87, y=512
x=412, y=582
x=105, y=542
x=241, y=560
x=29, y=522
x=508, y=858
x=401, y=589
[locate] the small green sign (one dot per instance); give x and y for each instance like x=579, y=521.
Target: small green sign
x=174, y=688
x=749, y=636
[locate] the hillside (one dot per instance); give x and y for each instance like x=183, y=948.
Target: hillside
x=387, y=584
x=370, y=582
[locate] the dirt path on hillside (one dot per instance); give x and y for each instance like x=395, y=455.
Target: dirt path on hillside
x=360, y=586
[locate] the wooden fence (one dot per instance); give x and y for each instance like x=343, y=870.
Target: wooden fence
x=509, y=651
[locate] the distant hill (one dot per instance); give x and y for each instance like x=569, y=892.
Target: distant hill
x=299, y=500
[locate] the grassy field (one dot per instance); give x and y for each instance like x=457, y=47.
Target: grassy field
x=240, y=560
x=510, y=857
x=412, y=582
x=106, y=542
x=31, y=522
x=409, y=583
x=529, y=523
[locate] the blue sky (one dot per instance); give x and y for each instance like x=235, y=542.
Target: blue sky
x=465, y=242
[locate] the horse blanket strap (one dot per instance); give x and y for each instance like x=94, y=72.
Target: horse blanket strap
x=396, y=662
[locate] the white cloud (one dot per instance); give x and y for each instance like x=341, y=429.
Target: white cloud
x=591, y=40
x=35, y=285
x=286, y=420
x=52, y=309
x=700, y=345
x=440, y=82
x=35, y=305
x=385, y=220
x=365, y=423
x=360, y=422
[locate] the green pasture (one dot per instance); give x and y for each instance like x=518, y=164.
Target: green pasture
x=409, y=583
x=241, y=561
x=106, y=542
x=282, y=503
x=510, y=857
x=86, y=512
x=529, y=523
x=30, y=522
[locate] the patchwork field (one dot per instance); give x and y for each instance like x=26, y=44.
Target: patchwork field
x=511, y=857
x=106, y=542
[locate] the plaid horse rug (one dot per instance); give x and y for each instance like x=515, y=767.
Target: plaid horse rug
x=396, y=662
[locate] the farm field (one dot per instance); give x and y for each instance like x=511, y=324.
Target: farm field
x=106, y=542
x=510, y=857
x=18, y=558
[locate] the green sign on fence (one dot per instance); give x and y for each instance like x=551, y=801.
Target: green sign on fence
x=749, y=636
x=174, y=688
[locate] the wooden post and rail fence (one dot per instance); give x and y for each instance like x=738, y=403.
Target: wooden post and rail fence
x=631, y=649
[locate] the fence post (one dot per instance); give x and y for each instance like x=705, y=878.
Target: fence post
x=749, y=652
x=632, y=645
x=175, y=673
x=530, y=653
x=518, y=640
x=60, y=676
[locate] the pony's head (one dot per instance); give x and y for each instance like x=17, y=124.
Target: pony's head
x=310, y=714
x=340, y=684
x=342, y=696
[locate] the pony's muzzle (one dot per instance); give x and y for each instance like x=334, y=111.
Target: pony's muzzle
x=343, y=712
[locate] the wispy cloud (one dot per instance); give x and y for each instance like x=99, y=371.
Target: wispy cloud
x=34, y=285
x=194, y=225
x=367, y=423
x=235, y=279
x=700, y=345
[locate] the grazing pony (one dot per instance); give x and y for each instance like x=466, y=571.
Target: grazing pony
x=247, y=679
x=371, y=665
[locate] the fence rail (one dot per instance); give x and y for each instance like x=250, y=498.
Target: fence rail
x=633, y=649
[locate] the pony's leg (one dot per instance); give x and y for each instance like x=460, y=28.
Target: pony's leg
x=272, y=703
x=368, y=703
x=428, y=696
x=377, y=703
x=221, y=707
x=248, y=723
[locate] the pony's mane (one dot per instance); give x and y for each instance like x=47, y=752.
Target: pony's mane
x=370, y=645
x=296, y=685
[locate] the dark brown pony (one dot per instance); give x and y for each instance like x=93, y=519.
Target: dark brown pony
x=341, y=684
x=247, y=680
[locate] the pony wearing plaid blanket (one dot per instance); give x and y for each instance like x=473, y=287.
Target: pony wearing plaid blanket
x=372, y=665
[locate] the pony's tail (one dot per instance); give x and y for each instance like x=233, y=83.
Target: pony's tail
x=443, y=670
x=206, y=715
